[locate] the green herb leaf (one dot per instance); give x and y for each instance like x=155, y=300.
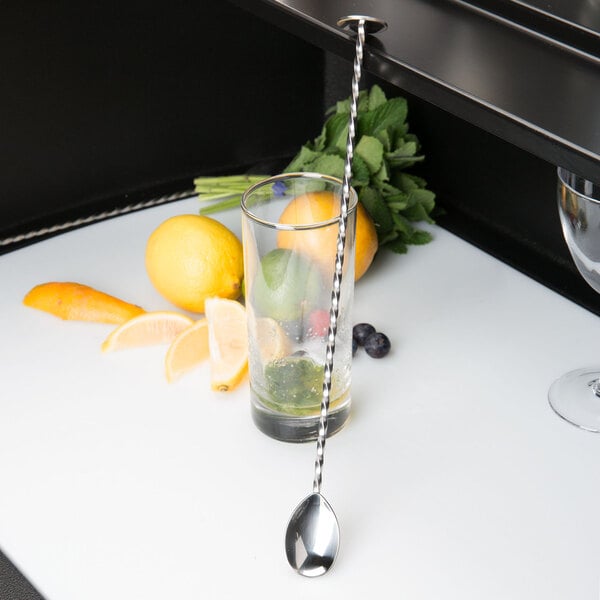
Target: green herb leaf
x=392, y=113
x=416, y=213
x=382, y=176
x=343, y=106
x=424, y=197
x=407, y=182
x=376, y=97
x=384, y=137
x=303, y=158
x=328, y=164
x=360, y=172
x=420, y=237
x=336, y=129
x=379, y=211
x=398, y=246
x=402, y=224
x=370, y=149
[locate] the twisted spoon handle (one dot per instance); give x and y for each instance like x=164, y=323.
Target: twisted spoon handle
x=339, y=260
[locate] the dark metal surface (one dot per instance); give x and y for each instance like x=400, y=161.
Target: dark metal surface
x=13, y=586
x=580, y=13
x=575, y=23
x=531, y=91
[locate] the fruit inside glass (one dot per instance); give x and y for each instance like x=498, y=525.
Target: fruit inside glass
x=290, y=229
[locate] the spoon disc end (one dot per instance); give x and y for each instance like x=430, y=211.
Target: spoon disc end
x=372, y=24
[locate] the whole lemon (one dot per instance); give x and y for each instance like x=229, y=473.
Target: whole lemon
x=319, y=244
x=190, y=258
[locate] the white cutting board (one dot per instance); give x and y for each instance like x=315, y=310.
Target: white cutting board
x=453, y=480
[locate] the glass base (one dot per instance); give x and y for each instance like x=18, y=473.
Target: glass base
x=575, y=397
x=287, y=428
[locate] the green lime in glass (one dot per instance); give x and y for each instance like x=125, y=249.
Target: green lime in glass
x=287, y=285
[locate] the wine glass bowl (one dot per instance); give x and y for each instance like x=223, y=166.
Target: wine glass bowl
x=576, y=395
x=579, y=210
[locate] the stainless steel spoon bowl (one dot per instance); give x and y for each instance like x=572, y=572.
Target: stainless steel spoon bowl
x=311, y=545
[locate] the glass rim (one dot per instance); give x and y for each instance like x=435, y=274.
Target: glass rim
x=561, y=170
x=352, y=204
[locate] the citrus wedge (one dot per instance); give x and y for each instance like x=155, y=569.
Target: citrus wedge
x=78, y=302
x=158, y=327
x=228, y=342
x=187, y=350
x=271, y=339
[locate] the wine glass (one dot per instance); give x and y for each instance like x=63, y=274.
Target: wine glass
x=576, y=395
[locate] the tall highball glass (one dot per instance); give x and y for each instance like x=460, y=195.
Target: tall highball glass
x=289, y=227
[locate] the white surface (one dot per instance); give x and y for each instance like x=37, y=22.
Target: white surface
x=454, y=479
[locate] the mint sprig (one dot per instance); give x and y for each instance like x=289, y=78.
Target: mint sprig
x=384, y=148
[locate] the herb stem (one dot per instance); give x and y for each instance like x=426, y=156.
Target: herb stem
x=228, y=179
x=232, y=202
x=224, y=192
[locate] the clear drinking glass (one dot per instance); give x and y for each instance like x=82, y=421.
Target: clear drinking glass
x=576, y=395
x=290, y=227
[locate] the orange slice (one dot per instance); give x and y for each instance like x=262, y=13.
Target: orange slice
x=228, y=342
x=78, y=302
x=187, y=350
x=319, y=244
x=159, y=327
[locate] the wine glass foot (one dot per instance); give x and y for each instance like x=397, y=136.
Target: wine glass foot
x=575, y=397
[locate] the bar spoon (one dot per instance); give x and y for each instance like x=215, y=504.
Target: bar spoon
x=312, y=537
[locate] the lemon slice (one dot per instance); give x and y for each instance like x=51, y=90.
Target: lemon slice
x=227, y=341
x=158, y=327
x=187, y=350
x=271, y=340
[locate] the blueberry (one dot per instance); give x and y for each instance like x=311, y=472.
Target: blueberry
x=361, y=332
x=354, y=346
x=377, y=345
